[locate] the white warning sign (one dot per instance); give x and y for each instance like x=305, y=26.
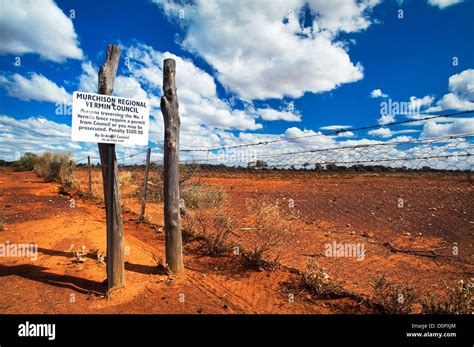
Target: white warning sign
x=109, y=119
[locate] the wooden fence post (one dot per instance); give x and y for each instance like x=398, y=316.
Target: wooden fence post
x=169, y=108
x=110, y=177
x=90, y=178
x=145, y=185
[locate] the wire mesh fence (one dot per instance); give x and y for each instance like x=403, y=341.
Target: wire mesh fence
x=411, y=187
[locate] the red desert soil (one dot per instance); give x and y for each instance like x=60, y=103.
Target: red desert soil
x=345, y=208
x=54, y=283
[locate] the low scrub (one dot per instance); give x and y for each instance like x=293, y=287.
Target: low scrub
x=316, y=280
x=26, y=162
x=197, y=196
x=393, y=298
x=125, y=177
x=55, y=167
x=458, y=301
x=154, y=189
x=224, y=225
x=268, y=234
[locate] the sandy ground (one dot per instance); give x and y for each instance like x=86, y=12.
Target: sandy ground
x=55, y=283
x=437, y=214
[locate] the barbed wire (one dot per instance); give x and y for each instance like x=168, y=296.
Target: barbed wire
x=382, y=160
x=366, y=145
x=328, y=133
x=118, y=158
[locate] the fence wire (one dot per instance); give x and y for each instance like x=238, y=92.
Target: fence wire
x=296, y=177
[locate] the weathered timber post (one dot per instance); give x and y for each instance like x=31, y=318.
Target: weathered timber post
x=145, y=185
x=89, y=171
x=110, y=177
x=169, y=108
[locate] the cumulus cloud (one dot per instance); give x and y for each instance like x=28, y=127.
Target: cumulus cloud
x=37, y=27
x=308, y=138
x=377, y=93
x=35, y=87
x=386, y=119
x=270, y=114
x=416, y=104
x=461, y=96
x=444, y=3
x=261, y=49
x=335, y=127
x=381, y=132
x=197, y=91
x=27, y=135
x=460, y=126
x=124, y=86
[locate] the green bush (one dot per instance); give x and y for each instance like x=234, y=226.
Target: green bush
x=27, y=162
x=202, y=196
x=55, y=167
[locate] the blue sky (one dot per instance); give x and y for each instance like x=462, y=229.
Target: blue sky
x=246, y=70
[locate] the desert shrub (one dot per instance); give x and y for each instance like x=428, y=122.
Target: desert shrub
x=223, y=225
x=71, y=185
x=154, y=190
x=393, y=298
x=197, y=196
x=459, y=300
x=316, y=280
x=196, y=223
x=26, y=162
x=269, y=232
x=55, y=167
x=125, y=177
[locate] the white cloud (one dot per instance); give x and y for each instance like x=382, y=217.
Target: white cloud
x=377, y=93
x=88, y=81
x=347, y=16
x=381, y=132
x=260, y=49
x=36, y=87
x=27, y=135
x=417, y=104
x=444, y=3
x=403, y=138
x=462, y=84
x=461, y=96
x=335, y=127
x=37, y=27
x=308, y=138
x=197, y=91
x=124, y=86
x=458, y=127
x=270, y=114
x=346, y=134
x=386, y=119
x=22, y=135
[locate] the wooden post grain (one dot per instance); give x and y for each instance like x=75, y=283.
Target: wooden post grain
x=90, y=178
x=110, y=177
x=169, y=108
x=145, y=185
